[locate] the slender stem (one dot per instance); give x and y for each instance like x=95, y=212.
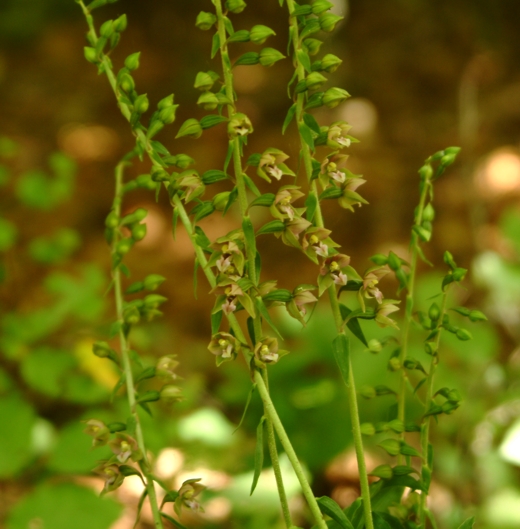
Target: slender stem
x=425, y=429
x=334, y=303
x=127, y=368
x=273, y=452
x=289, y=450
x=405, y=332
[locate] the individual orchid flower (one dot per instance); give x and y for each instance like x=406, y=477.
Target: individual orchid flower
x=192, y=184
x=349, y=197
x=272, y=164
x=125, y=447
x=228, y=256
x=111, y=474
x=267, y=352
x=98, y=430
x=337, y=137
x=293, y=228
x=386, y=307
x=224, y=346
x=316, y=242
x=239, y=125
x=187, y=495
x=331, y=168
x=370, y=282
x=229, y=295
x=332, y=271
x=302, y=296
x=166, y=366
x=282, y=206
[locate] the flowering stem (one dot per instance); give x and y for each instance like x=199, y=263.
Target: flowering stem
x=334, y=303
x=124, y=346
x=425, y=428
x=289, y=450
x=414, y=243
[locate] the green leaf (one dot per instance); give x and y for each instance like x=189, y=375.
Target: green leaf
x=211, y=120
x=252, y=186
x=248, y=400
x=304, y=59
x=55, y=248
x=380, y=522
x=58, y=506
x=353, y=324
x=271, y=227
x=215, y=45
x=16, y=426
x=341, y=350
x=311, y=122
x=306, y=134
x=289, y=117
x=173, y=520
x=249, y=58
x=213, y=175
x=249, y=234
x=329, y=507
x=259, y=454
x=265, y=200
x=468, y=524
x=311, y=203
x=216, y=319
x=265, y=314
x=8, y=234
x=231, y=199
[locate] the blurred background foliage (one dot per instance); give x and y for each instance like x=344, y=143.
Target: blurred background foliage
x=423, y=75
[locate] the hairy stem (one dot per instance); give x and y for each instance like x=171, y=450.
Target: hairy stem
x=125, y=348
x=318, y=220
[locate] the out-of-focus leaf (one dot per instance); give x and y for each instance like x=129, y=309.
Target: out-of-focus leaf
x=55, y=248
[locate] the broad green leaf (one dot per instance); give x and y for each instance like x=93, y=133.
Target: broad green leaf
x=311, y=203
x=259, y=454
x=63, y=506
x=341, y=350
x=16, y=425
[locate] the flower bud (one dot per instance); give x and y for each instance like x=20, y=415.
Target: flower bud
x=145, y=181
x=259, y=34
x=171, y=393
x=459, y=274
x=367, y=428
x=393, y=261
x=205, y=20
x=314, y=80
x=379, y=259
x=167, y=115
x=430, y=348
x=330, y=63
x=106, y=29
x=191, y=127
x=103, y=350
x=426, y=172
x=138, y=232
x=205, y=80
x=220, y=200
x=115, y=427
x=141, y=104
x=476, y=315
x=463, y=335
x=90, y=54
x=112, y=220
x=334, y=96
x=268, y=56
x=208, y=101
x=235, y=6
x=132, y=61
x=152, y=301
x=131, y=315
x=165, y=102
x=120, y=23
x=123, y=246
x=149, y=396
x=126, y=83
x=328, y=21
x=375, y=346
x=391, y=446
x=153, y=281
x=434, y=313
x=428, y=213
x=312, y=45
x=394, y=363
x=368, y=392
x=383, y=472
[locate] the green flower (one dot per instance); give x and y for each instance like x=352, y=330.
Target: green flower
x=282, y=208
x=331, y=169
x=224, y=346
x=302, y=296
x=125, y=447
x=272, y=164
x=293, y=228
x=386, y=307
x=267, y=352
x=332, y=271
x=239, y=125
x=166, y=366
x=337, y=137
x=316, y=242
x=99, y=432
x=111, y=474
x=188, y=492
x=370, y=282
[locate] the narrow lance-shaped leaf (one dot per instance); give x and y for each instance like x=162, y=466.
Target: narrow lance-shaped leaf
x=341, y=350
x=329, y=507
x=248, y=401
x=259, y=454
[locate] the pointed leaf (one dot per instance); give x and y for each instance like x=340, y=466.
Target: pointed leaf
x=289, y=117
x=216, y=319
x=329, y=507
x=468, y=524
x=265, y=314
x=259, y=454
x=170, y=518
x=306, y=134
x=265, y=200
x=341, y=350
x=252, y=186
x=248, y=400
